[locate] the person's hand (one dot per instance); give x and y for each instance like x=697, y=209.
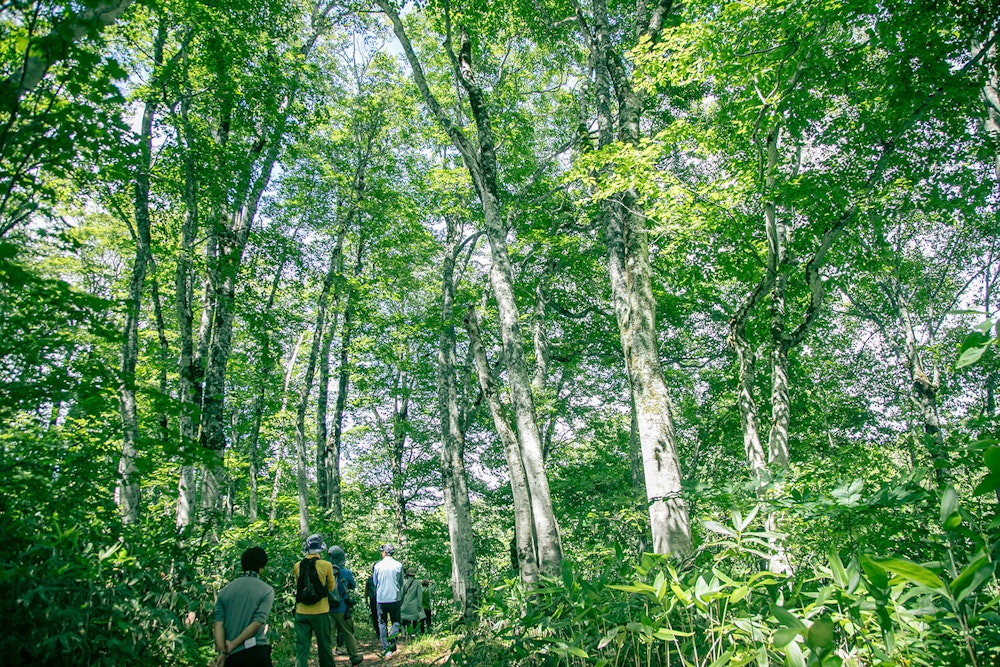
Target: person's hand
x=220, y=660
x=230, y=645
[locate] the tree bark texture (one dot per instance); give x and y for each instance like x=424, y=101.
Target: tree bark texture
x=630, y=274
x=524, y=527
x=128, y=483
x=343, y=387
x=454, y=479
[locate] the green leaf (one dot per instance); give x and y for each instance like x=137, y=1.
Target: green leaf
x=949, y=503
x=793, y=656
x=667, y=634
x=608, y=638
x=991, y=457
x=784, y=636
x=738, y=594
x=820, y=633
x=837, y=569
x=971, y=578
x=786, y=618
x=989, y=483
x=973, y=354
x=717, y=527
x=950, y=517
x=722, y=659
x=635, y=588
x=917, y=574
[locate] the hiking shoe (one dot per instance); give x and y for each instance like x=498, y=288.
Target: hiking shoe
x=357, y=661
x=388, y=654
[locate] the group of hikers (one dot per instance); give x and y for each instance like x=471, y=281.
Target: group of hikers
x=398, y=602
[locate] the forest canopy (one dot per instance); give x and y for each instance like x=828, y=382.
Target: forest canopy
x=654, y=333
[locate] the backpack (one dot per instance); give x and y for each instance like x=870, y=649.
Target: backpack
x=309, y=589
x=339, y=591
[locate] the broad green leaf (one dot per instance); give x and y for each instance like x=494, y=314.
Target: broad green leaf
x=820, y=633
x=609, y=637
x=738, y=594
x=988, y=484
x=971, y=578
x=793, y=655
x=784, y=636
x=973, y=354
x=949, y=503
x=837, y=569
x=991, y=457
x=918, y=574
x=719, y=528
x=634, y=588
x=786, y=618
x=722, y=660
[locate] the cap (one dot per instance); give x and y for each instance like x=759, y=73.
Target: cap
x=337, y=555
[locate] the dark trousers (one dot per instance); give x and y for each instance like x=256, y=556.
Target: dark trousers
x=425, y=621
x=373, y=607
x=388, y=611
x=258, y=656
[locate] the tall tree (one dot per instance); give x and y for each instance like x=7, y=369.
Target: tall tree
x=619, y=109
x=480, y=160
x=454, y=478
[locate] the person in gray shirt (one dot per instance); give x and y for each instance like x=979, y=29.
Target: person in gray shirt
x=241, y=611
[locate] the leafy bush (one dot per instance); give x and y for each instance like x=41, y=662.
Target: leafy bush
x=718, y=609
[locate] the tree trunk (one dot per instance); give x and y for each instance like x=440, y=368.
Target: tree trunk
x=924, y=396
x=630, y=274
x=343, y=385
x=128, y=485
x=324, y=452
x=480, y=161
x=306, y=389
x=524, y=527
x=325, y=461
x=263, y=375
x=231, y=232
x=189, y=365
x=464, y=580
x=991, y=97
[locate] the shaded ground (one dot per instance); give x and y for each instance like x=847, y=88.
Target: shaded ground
x=414, y=651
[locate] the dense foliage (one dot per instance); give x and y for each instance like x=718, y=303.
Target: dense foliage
x=478, y=279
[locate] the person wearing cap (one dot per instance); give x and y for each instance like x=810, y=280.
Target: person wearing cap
x=342, y=623
x=387, y=575
x=410, y=610
x=314, y=619
x=241, y=611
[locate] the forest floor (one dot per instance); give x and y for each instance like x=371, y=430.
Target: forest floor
x=428, y=651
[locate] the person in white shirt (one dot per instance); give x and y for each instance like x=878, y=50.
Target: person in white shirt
x=387, y=575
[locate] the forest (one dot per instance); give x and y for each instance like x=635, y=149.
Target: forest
x=655, y=333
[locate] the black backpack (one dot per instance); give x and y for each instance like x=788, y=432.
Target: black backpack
x=309, y=589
